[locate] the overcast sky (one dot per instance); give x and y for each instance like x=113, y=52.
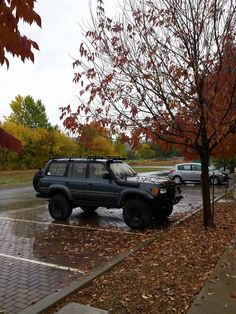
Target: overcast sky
x=50, y=77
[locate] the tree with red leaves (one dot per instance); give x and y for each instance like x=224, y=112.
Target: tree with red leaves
x=7, y=141
x=163, y=69
x=17, y=44
x=11, y=39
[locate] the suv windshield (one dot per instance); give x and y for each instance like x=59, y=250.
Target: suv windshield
x=121, y=170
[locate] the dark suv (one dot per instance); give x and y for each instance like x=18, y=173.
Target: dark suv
x=89, y=183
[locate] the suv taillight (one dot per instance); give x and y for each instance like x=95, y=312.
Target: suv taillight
x=171, y=171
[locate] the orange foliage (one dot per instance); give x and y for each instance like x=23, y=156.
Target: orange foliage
x=182, y=96
x=95, y=140
x=227, y=148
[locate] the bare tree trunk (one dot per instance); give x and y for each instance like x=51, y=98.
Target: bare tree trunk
x=231, y=168
x=206, y=197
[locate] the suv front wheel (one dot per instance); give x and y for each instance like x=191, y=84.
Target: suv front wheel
x=59, y=207
x=137, y=214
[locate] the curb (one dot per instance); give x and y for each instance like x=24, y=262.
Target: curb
x=53, y=298
x=47, y=302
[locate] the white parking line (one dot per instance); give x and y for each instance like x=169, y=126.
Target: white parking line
x=17, y=258
x=72, y=226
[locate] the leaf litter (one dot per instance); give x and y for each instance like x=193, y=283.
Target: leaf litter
x=166, y=275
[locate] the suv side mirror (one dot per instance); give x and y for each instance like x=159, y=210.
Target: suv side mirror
x=107, y=176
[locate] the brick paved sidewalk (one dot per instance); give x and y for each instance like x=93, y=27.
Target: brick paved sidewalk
x=38, y=258
x=23, y=283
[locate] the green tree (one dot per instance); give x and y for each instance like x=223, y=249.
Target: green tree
x=229, y=163
x=164, y=151
x=145, y=152
x=39, y=145
x=120, y=148
x=30, y=113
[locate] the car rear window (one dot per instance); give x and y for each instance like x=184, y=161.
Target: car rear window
x=57, y=169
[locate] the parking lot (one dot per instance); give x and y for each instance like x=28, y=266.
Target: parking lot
x=39, y=256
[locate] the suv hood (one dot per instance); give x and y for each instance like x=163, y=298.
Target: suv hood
x=147, y=179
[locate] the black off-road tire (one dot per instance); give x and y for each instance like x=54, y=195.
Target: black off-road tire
x=89, y=209
x=137, y=214
x=59, y=207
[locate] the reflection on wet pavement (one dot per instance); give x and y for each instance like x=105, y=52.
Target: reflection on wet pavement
x=31, y=208
x=65, y=245
x=192, y=197
x=19, y=198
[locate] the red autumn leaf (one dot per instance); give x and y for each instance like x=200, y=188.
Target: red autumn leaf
x=11, y=39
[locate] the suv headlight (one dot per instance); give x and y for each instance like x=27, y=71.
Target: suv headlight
x=163, y=190
x=156, y=191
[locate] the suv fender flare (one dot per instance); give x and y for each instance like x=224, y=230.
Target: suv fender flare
x=59, y=188
x=141, y=193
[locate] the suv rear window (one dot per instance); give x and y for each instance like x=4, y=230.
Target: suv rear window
x=57, y=169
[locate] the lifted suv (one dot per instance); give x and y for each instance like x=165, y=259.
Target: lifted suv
x=107, y=182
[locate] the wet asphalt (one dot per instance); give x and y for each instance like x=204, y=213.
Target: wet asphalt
x=21, y=203
x=39, y=256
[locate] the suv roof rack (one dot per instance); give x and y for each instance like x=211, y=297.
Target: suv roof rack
x=69, y=158
x=90, y=157
x=106, y=157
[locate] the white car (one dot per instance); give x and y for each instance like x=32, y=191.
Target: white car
x=193, y=172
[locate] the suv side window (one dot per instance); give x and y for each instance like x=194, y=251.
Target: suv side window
x=79, y=170
x=97, y=170
x=57, y=169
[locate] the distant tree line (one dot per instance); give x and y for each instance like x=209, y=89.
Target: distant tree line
x=41, y=141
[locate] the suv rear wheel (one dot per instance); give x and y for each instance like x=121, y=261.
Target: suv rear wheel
x=137, y=214
x=59, y=207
